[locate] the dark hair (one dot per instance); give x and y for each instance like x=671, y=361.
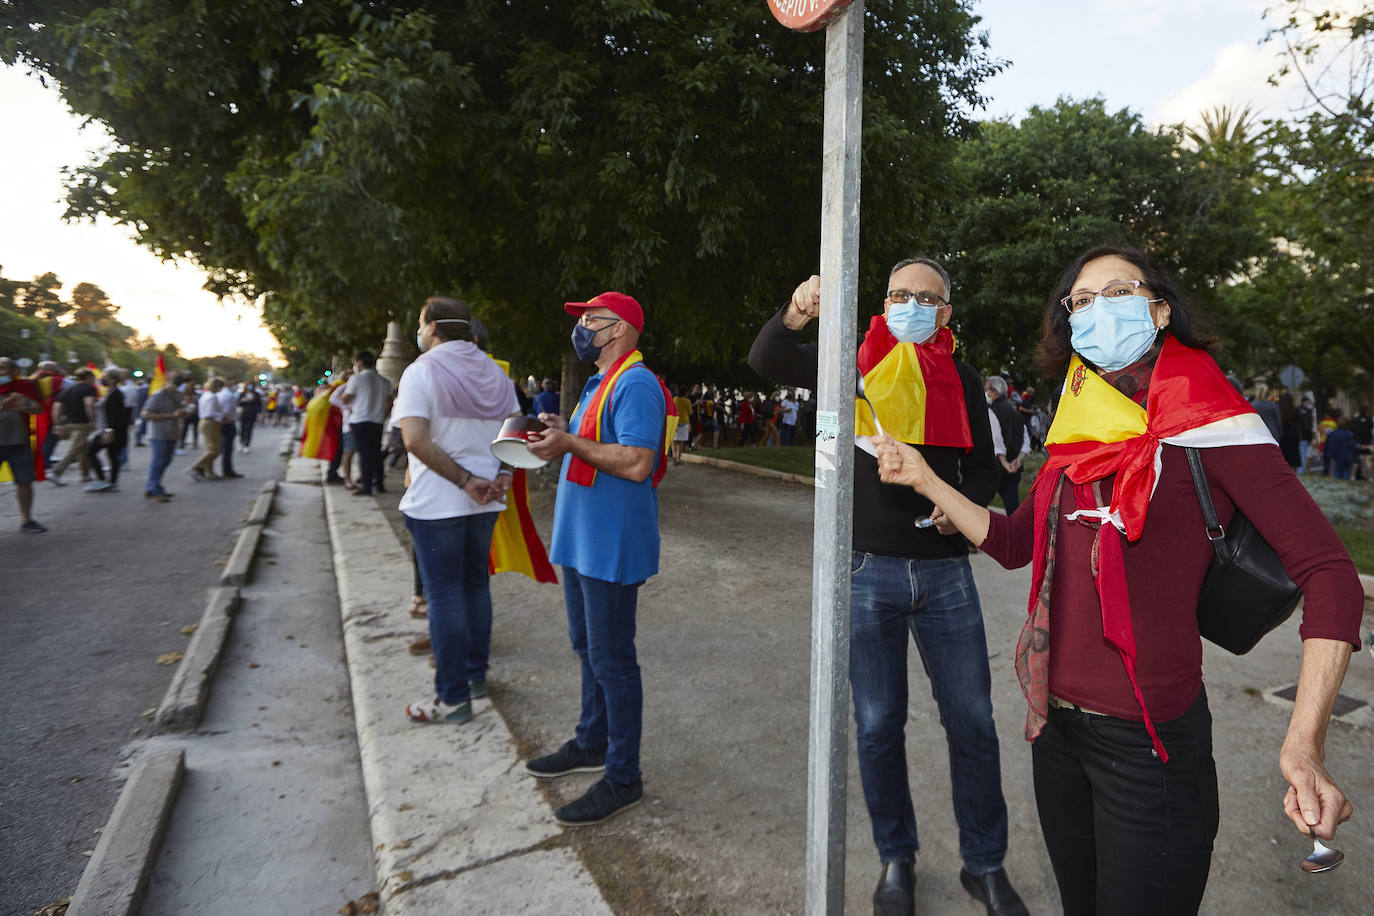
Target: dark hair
x=933, y=265
x=1055, y=348
x=453, y=315
x=366, y=358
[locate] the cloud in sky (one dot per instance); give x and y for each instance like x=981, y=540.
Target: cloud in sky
x=164, y=300
x=1239, y=75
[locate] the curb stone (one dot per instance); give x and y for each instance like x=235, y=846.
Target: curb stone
x=184, y=701
x=117, y=876
x=483, y=839
x=750, y=469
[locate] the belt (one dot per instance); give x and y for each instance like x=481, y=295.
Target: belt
x=1065, y=704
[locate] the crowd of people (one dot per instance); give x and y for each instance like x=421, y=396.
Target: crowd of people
x=1110, y=658
x=52, y=421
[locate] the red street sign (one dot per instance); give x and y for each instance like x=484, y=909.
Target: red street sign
x=807, y=15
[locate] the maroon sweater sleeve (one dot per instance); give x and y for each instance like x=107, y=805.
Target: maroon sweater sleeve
x=1260, y=484
x=1011, y=539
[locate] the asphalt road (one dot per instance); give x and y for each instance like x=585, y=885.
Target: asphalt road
x=86, y=609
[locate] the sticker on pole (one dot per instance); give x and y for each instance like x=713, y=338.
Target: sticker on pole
x=807, y=15
x=827, y=426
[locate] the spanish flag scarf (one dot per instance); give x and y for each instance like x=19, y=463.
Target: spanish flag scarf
x=589, y=427
x=1098, y=432
x=914, y=388
x=44, y=391
x=322, y=432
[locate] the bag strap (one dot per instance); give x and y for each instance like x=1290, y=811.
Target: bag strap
x=1215, y=533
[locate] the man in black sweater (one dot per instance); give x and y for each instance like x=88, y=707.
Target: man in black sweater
x=1012, y=436
x=908, y=577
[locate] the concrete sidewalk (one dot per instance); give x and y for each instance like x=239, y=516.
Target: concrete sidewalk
x=457, y=825
x=724, y=646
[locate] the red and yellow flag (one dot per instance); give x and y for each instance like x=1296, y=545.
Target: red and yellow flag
x=915, y=389
x=159, y=374
x=42, y=390
x=515, y=544
x=323, y=430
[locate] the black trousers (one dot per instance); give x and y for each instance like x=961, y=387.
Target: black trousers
x=246, y=422
x=226, y=457
x=1009, y=488
x=367, y=440
x=1127, y=835
x=112, y=450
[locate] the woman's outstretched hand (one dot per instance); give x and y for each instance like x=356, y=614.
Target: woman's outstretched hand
x=899, y=463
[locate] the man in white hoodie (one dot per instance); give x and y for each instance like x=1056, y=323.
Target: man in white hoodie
x=451, y=403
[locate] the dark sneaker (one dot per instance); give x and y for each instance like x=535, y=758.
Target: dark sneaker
x=478, y=689
x=32, y=527
x=994, y=891
x=602, y=802
x=567, y=759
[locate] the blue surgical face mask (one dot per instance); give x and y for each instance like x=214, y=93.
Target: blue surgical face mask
x=1112, y=335
x=912, y=322
x=582, y=343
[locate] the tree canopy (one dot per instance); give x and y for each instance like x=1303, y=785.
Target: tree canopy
x=1033, y=195
x=345, y=159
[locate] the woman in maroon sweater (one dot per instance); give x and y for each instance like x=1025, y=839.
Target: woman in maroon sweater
x=1111, y=658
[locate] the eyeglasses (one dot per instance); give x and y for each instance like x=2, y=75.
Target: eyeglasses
x=926, y=298
x=587, y=318
x=1115, y=291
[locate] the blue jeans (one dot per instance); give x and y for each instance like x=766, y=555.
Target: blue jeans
x=601, y=625
x=937, y=602
x=158, y=463
x=452, y=554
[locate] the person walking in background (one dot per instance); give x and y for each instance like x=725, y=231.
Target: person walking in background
x=190, y=421
x=747, y=428
x=605, y=536
x=73, y=414
x=683, y=434
x=1290, y=438
x=1268, y=411
x=1110, y=658
x=1307, y=432
x=250, y=406
x=1341, y=452
x=1329, y=424
x=20, y=443
x=208, y=409
x=165, y=414
x=911, y=581
x=788, y=427
x=228, y=398
x=369, y=396
x=451, y=403
x=547, y=400
x=341, y=462
x=1009, y=440
x=109, y=433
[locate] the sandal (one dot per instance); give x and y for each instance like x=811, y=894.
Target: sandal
x=419, y=607
x=437, y=713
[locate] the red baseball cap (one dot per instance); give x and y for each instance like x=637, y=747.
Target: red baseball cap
x=621, y=305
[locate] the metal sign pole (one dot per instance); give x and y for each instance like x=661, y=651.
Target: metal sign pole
x=828, y=754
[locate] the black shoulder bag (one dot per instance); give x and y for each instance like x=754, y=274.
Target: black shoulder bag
x=1246, y=592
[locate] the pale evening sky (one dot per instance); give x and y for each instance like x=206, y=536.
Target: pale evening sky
x=1167, y=59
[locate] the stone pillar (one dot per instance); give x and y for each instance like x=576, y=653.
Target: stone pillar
x=396, y=353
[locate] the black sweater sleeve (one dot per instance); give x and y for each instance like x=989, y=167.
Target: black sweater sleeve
x=779, y=355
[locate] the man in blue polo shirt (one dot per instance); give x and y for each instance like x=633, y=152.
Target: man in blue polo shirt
x=605, y=536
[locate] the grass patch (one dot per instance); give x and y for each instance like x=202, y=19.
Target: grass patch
x=1360, y=543
x=794, y=459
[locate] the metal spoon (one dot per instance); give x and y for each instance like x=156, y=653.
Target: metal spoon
x=1323, y=857
x=925, y=520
